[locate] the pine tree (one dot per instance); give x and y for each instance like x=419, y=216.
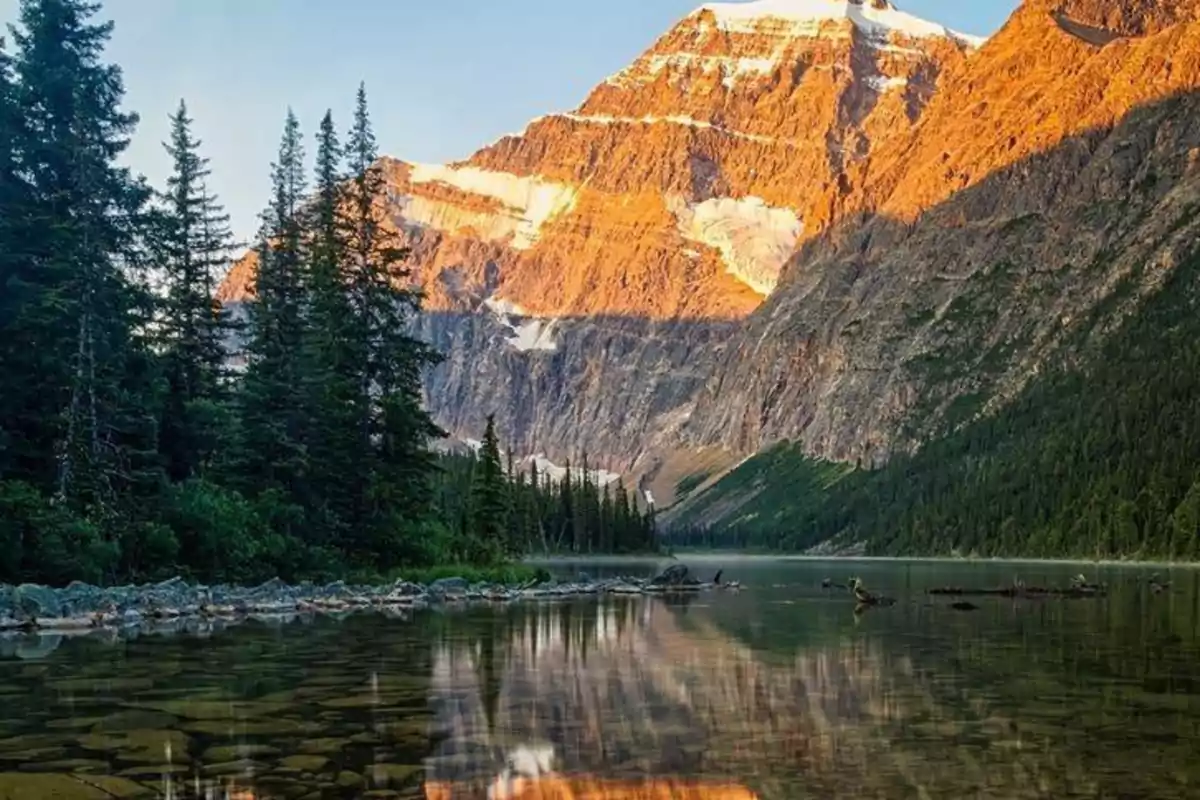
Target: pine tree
x=274, y=423
x=79, y=398
x=15, y=270
x=537, y=508
x=385, y=304
x=491, y=494
x=567, y=511
x=193, y=242
x=607, y=523
x=339, y=454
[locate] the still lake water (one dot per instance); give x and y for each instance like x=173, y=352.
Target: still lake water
x=781, y=691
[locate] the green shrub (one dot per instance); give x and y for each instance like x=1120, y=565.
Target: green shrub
x=48, y=544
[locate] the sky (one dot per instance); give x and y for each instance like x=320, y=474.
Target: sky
x=443, y=78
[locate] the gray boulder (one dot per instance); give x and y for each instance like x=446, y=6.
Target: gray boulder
x=83, y=598
x=335, y=590
x=39, y=602
x=446, y=586
x=171, y=586
x=405, y=589
x=273, y=589
x=675, y=575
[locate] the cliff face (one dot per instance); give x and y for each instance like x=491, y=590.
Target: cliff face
x=1049, y=170
x=807, y=219
x=681, y=185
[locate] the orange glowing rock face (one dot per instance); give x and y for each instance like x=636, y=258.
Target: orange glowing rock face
x=603, y=210
x=590, y=788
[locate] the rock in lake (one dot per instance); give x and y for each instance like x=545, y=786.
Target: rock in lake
x=675, y=575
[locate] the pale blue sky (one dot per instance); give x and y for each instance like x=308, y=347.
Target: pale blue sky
x=444, y=76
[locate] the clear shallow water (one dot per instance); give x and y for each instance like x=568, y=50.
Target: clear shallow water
x=781, y=691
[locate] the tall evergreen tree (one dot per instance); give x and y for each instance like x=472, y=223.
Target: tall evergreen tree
x=274, y=423
x=77, y=400
x=567, y=512
x=15, y=204
x=385, y=305
x=338, y=449
x=193, y=242
x=607, y=522
x=491, y=494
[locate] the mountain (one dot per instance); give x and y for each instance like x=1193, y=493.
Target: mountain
x=828, y=223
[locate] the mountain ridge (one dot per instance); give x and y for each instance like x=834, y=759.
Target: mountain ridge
x=657, y=262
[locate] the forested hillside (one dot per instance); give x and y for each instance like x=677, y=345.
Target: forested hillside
x=1097, y=458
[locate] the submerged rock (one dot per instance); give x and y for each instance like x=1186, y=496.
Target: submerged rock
x=34, y=786
x=303, y=763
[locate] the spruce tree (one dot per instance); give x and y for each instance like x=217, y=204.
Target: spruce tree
x=567, y=510
x=490, y=494
x=274, y=420
x=15, y=205
x=339, y=454
x=623, y=519
x=385, y=304
x=193, y=243
x=607, y=523
x=537, y=507
x=76, y=373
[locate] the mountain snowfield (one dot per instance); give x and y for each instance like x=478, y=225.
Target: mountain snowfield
x=809, y=220
x=802, y=17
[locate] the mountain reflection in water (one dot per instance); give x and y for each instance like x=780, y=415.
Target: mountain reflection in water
x=629, y=694
x=780, y=693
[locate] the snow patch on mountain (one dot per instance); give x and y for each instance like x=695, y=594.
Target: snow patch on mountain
x=528, y=333
x=547, y=469
x=536, y=334
x=805, y=17
x=754, y=239
x=882, y=83
x=689, y=122
x=529, y=202
x=557, y=474
x=502, y=307
x=731, y=67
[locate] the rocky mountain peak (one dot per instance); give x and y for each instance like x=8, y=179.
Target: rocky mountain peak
x=1119, y=18
x=878, y=18
x=782, y=219
x=682, y=185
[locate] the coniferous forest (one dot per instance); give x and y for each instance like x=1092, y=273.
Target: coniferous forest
x=1099, y=457
x=491, y=502
x=131, y=449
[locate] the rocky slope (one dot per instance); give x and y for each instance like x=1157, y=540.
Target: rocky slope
x=804, y=219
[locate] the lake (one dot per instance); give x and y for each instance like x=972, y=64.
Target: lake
x=779, y=691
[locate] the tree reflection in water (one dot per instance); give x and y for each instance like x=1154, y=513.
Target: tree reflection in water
x=639, y=700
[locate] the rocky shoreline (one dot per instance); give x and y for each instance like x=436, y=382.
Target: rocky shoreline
x=81, y=607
